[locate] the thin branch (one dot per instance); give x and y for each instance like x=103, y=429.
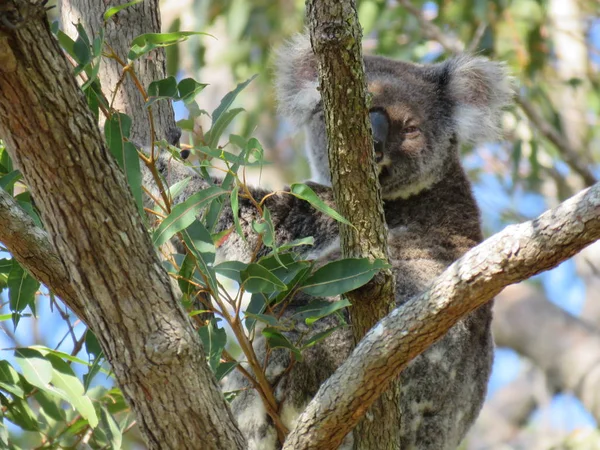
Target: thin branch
x=516, y=253
x=31, y=247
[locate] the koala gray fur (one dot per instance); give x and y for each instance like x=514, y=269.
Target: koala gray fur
x=432, y=218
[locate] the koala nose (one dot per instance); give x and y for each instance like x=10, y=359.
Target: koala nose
x=380, y=125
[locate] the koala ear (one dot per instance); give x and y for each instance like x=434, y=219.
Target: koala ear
x=296, y=79
x=480, y=89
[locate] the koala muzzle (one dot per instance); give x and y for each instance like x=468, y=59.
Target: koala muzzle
x=380, y=125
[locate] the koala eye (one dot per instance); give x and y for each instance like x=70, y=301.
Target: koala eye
x=380, y=125
x=412, y=132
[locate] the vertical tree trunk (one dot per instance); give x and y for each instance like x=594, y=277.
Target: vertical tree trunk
x=93, y=224
x=336, y=38
x=120, y=30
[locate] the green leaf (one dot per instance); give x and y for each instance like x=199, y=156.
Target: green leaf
x=115, y=9
x=228, y=100
x=67, y=44
x=70, y=388
x=36, y=369
x=175, y=190
x=231, y=270
x=186, y=273
x=117, y=130
x=235, y=210
x=162, y=89
x=213, y=340
x=8, y=181
x=257, y=305
x=342, y=276
x=6, y=265
x=318, y=309
x=19, y=413
x=111, y=429
x=296, y=243
x=51, y=405
x=147, y=42
x=83, y=55
x=188, y=88
x=199, y=243
x=264, y=318
x=305, y=193
x=265, y=228
x=92, y=372
x=278, y=340
x=318, y=337
x=9, y=379
x=255, y=278
x=214, y=134
x=224, y=368
x=22, y=288
x=184, y=214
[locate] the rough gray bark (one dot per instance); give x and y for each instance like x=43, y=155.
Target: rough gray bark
x=119, y=31
x=336, y=38
x=31, y=247
x=92, y=222
x=516, y=253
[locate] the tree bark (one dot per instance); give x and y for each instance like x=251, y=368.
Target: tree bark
x=336, y=38
x=516, y=253
x=119, y=32
x=31, y=247
x=93, y=224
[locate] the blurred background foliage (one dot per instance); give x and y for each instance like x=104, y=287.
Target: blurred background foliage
x=550, y=148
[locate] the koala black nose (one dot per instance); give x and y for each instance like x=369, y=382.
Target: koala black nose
x=380, y=125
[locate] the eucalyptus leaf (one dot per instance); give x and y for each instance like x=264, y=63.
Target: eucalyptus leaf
x=342, y=276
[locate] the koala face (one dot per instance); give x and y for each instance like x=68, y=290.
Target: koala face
x=418, y=113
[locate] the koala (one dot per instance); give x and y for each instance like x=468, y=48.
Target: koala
x=420, y=114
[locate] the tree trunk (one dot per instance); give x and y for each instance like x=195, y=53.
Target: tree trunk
x=92, y=222
x=119, y=32
x=336, y=39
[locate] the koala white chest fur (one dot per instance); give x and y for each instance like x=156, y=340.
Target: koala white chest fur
x=420, y=114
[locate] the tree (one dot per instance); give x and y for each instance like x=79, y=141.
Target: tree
x=154, y=352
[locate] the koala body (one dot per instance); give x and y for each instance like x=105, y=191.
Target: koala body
x=420, y=114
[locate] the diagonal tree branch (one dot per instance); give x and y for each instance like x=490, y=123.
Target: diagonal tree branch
x=454, y=45
x=30, y=246
x=516, y=253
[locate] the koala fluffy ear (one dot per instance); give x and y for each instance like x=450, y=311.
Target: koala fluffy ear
x=480, y=89
x=296, y=79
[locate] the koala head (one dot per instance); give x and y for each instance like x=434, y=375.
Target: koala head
x=419, y=113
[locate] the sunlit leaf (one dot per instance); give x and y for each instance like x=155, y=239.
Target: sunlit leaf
x=305, y=193
x=115, y=9
x=184, y=214
x=147, y=42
